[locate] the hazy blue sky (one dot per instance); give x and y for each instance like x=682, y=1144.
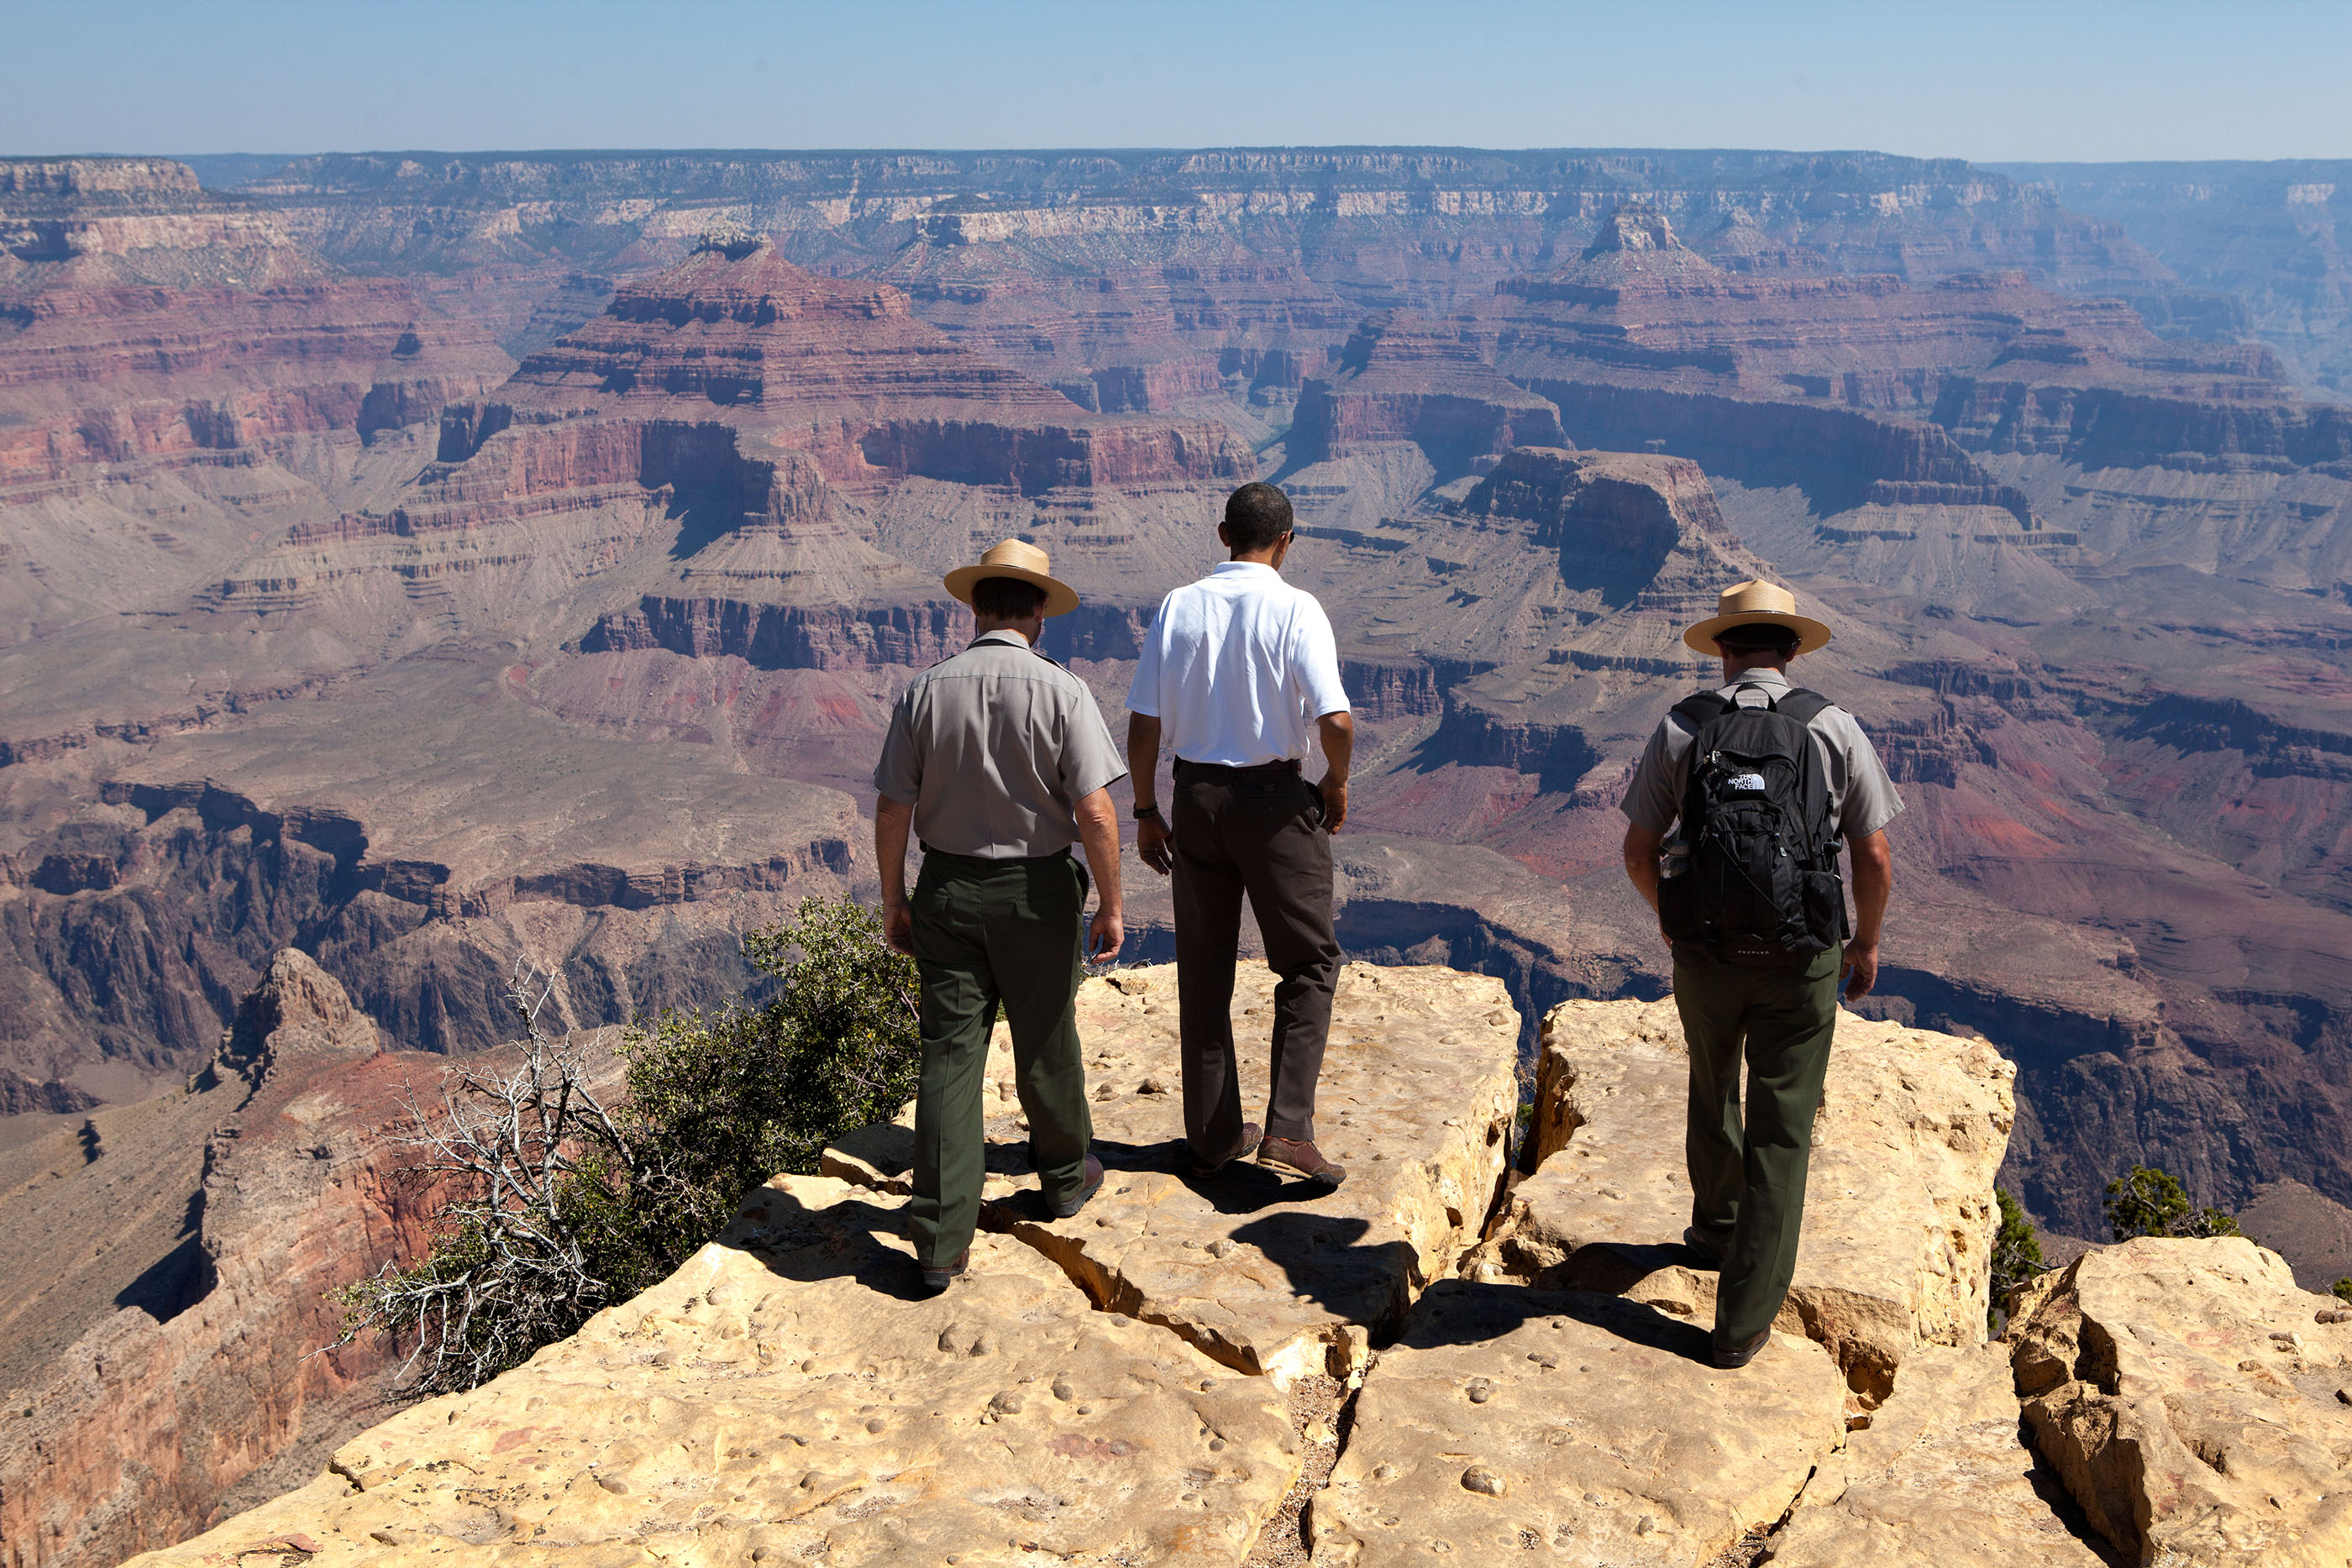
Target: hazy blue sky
x=1988, y=80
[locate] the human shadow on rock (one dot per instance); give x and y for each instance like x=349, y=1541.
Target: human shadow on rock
x=844, y=1240
x=1463, y=1311
x=1328, y=1261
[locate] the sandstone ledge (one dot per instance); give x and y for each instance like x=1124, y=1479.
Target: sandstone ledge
x=1585, y=1426
x=786, y=1395
x=2186, y=1392
x=1266, y=1275
x=1942, y=1479
x=1899, y=1211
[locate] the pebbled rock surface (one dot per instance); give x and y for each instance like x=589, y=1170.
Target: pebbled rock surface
x=1899, y=1211
x=788, y=1395
x=1585, y=1426
x=1941, y=1479
x=1264, y=1273
x=2187, y=1391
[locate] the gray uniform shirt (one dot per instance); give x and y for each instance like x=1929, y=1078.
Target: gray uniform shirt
x=995, y=748
x=1862, y=797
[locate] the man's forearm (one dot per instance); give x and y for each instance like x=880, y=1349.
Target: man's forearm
x=1099, y=831
x=1641, y=846
x=1338, y=733
x=893, y=825
x=1142, y=760
x=1873, y=881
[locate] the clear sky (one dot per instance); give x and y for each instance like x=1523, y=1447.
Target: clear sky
x=1985, y=79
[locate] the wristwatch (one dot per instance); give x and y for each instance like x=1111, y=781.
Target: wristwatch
x=1149, y=814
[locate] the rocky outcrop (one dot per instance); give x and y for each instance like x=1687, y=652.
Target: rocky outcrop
x=171, y=1411
x=1582, y=1426
x=1899, y=1212
x=1279, y=1280
x=790, y=1392
x=2187, y=1391
x=1941, y=1478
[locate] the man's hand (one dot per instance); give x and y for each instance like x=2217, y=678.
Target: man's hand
x=1155, y=842
x=1105, y=935
x=1335, y=802
x=1337, y=731
x=1858, y=971
x=898, y=926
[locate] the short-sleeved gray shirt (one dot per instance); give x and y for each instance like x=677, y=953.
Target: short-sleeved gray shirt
x=1862, y=797
x=994, y=748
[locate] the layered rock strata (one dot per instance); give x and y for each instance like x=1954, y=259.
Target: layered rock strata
x=1899, y=1213
x=211, y=1381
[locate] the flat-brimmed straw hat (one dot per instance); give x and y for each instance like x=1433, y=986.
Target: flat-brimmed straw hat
x=1021, y=561
x=1756, y=604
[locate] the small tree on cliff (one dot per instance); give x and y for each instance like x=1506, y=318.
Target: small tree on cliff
x=2016, y=1256
x=2343, y=1289
x=550, y=1206
x=2151, y=1202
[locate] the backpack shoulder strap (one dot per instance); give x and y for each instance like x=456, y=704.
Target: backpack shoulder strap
x=1700, y=706
x=1803, y=705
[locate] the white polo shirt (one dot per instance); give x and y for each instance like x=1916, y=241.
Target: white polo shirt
x=1237, y=667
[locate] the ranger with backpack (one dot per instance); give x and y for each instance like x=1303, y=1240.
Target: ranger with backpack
x=1736, y=815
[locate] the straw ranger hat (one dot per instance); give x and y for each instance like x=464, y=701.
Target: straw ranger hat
x=1756, y=604
x=1023, y=562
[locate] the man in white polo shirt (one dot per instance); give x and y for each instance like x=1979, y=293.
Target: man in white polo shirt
x=1238, y=671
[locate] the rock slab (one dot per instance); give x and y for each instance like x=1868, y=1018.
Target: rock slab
x=1583, y=1426
x=1941, y=1479
x=790, y=1395
x=1899, y=1210
x=2183, y=1389
x=1266, y=1274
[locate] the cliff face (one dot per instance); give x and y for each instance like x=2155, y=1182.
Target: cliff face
x=163, y=1416
x=1115, y=1384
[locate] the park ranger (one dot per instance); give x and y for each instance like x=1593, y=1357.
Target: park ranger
x=1758, y=781
x=998, y=760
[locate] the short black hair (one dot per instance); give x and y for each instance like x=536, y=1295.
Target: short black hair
x=1256, y=516
x=1006, y=599
x=1764, y=637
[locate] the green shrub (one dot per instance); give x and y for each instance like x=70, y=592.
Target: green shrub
x=549, y=1206
x=2016, y=1256
x=2343, y=1289
x=2151, y=1202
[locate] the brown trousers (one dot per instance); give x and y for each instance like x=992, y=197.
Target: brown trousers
x=1258, y=831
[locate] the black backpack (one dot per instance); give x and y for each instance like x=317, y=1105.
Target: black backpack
x=1760, y=884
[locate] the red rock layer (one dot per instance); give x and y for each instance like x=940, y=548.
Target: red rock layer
x=1404, y=379
x=145, y=1428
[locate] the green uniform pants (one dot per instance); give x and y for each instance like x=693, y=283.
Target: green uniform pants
x=1747, y=1175
x=985, y=932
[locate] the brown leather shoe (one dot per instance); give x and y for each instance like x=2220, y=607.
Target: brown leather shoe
x=1300, y=1158
x=1208, y=1167
x=1729, y=1355
x=1086, y=1189
x=939, y=1279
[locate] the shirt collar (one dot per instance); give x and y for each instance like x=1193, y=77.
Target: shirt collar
x=1763, y=676
x=1240, y=568
x=1003, y=634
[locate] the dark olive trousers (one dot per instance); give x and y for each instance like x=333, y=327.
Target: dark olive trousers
x=1255, y=833
x=1747, y=1173
x=985, y=932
